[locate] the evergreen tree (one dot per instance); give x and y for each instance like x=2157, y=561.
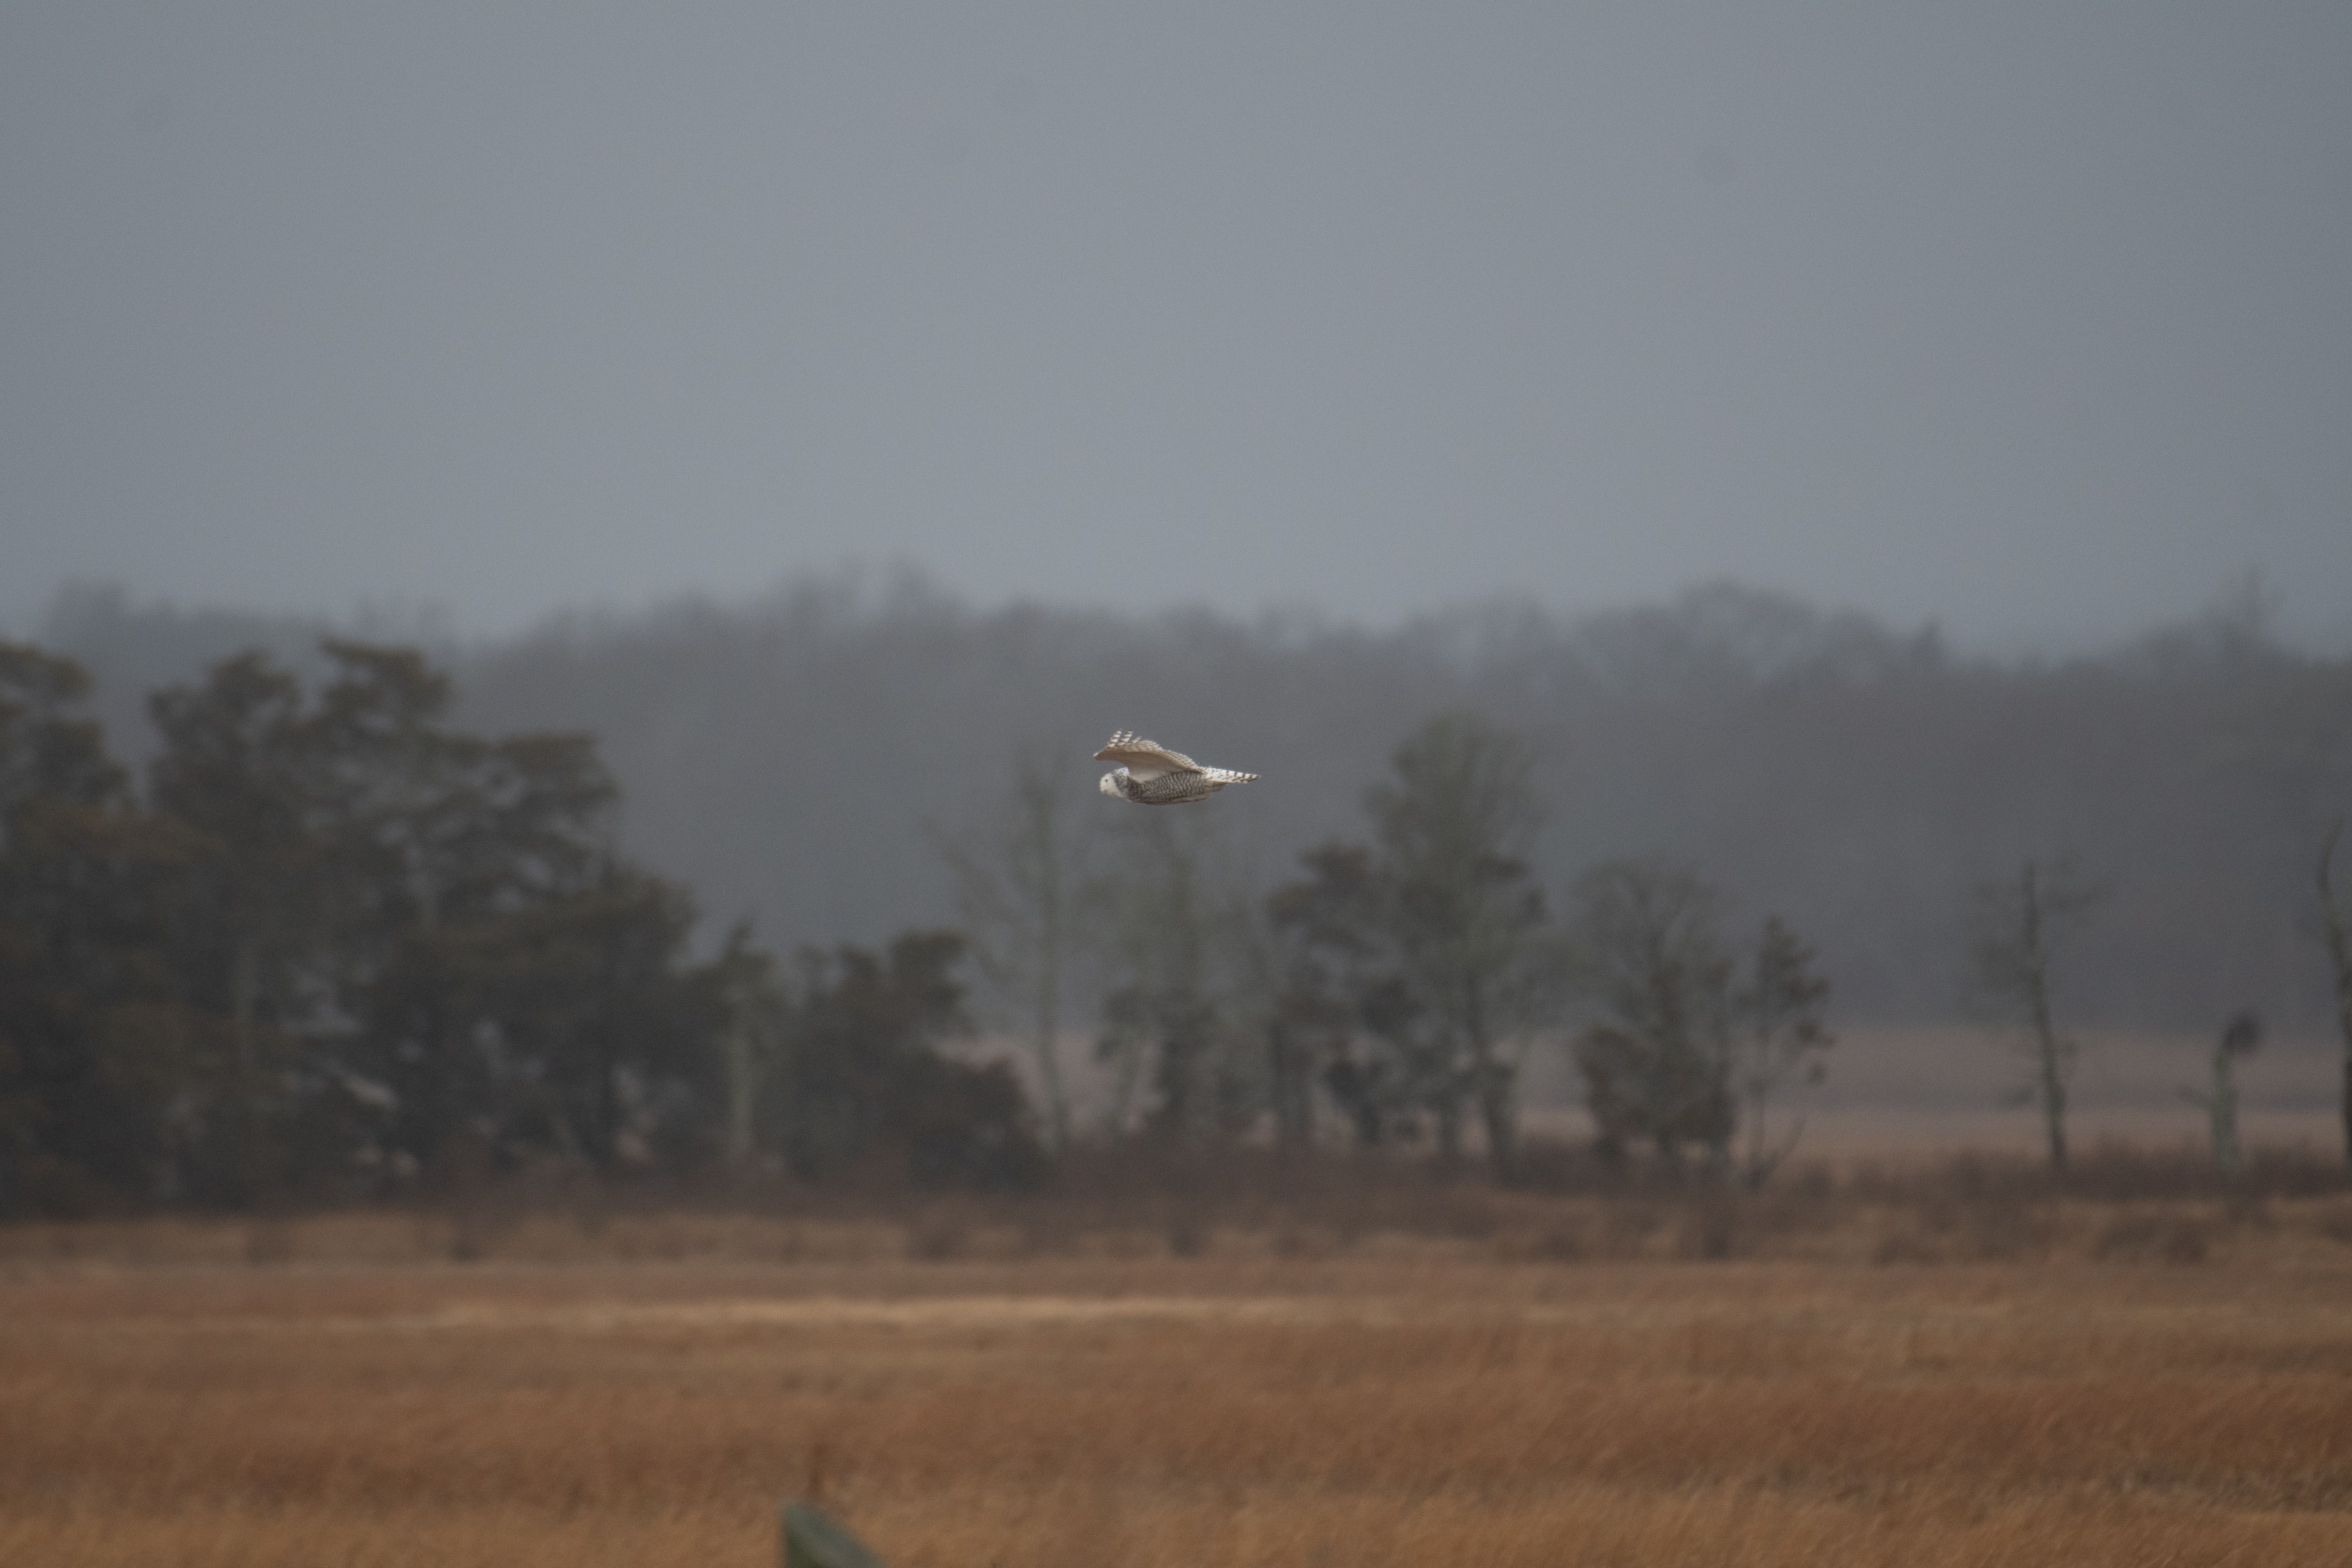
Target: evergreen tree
x=96, y=1038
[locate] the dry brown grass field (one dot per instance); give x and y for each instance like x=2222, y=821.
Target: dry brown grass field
x=1956, y=1372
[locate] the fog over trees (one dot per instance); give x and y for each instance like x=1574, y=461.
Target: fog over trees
x=796, y=758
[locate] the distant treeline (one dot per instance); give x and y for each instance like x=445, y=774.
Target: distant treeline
x=336, y=947
x=330, y=941
x=794, y=759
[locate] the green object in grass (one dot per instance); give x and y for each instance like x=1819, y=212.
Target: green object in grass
x=812, y=1540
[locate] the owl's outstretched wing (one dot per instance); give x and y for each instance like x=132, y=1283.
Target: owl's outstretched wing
x=1145, y=759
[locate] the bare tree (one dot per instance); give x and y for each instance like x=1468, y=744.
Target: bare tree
x=2011, y=950
x=2240, y=1039
x=1018, y=901
x=1779, y=1038
x=2339, y=953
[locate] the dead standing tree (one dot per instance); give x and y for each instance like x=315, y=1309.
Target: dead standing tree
x=2241, y=1038
x=2012, y=962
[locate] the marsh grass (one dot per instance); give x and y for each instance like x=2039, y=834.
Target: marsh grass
x=1937, y=1365
x=2116, y=1203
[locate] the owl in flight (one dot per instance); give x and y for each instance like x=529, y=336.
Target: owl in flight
x=1150, y=774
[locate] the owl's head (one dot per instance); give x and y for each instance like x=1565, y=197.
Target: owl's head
x=1111, y=782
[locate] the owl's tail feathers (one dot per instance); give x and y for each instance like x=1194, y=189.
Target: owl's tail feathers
x=1227, y=775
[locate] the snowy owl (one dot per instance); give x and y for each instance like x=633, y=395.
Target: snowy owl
x=1154, y=775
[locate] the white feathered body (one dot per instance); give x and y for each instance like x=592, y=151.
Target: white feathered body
x=1150, y=774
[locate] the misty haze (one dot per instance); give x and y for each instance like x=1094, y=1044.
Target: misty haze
x=1775, y=584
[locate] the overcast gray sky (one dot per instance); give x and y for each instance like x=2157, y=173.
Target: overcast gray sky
x=2035, y=319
